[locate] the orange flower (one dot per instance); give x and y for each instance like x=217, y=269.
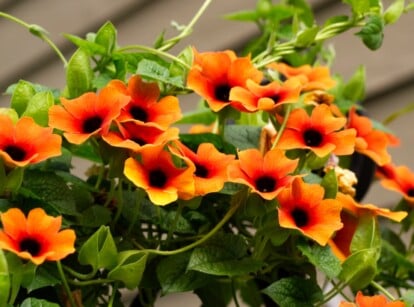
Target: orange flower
x=266, y=97
x=350, y=215
x=399, y=179
x=157, y=174
x=37, y=237
x=214, y=74
x=370, y=142
x=88, y=115
x=266, y=175
x=311, y=78
x=210, y=167
x=145, y=105
x=371, y=301
x=135, y=136
x=318, y=132
x=26, y=142
x=302, y=207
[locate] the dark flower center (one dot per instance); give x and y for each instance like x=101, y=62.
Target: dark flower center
x=30, y=245
x=300, y=217
x=139, y=113
x=139, y=141
x=410, y=192
x=15, y=152
x=201, y=171
x=276, y=98
x=312, y=137
x=92, y=124
x=157, y=178
x=222, y=92
x=265, y=184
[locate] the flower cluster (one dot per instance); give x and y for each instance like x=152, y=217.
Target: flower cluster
x=254, y=193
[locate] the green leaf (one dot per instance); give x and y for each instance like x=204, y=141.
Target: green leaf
x=154, y=70
x=408, y=297
x=90, y=47
x=23, y=92
x=215, y=293
x=294, y=292
x=130, y=268
x=323, y=258
x=372, y=32
x=242, y=137
x=246, y=15
x=34, y=302
x=106, y=37
x=99, y=250
x=205, y=117
x=174, y=277
x=43, y=278
x=304, y=11
x=354, y=89
x=306, y=37
x=95, y=216
x=394, y=11
x=49, y=188
x=225, y=255
x=5, y=285
x=79, y=74
x=38, y=107
x=367, y=235
x=360, y=268
x=330, y=184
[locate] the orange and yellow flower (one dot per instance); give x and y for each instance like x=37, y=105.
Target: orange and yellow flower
x=311, y=78
x=158, y=175
x=87, y=115
x=319, y=132
x=26, y=142
x=266, y=175
x=135, y=136
x=399, y=179
x=372, y=301
x=145, y=105
x=36, y=238
x=350, y=215
x=210, y=167
x=268, y=97
x=369, y=141
x=303, y=207
x=214, y=74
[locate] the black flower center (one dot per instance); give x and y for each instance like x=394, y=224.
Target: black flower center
x=300, y=217
x=312, y=137
x=30, y=245
x=139, y=113
x=265, y=184
x=222, y=92
x=157, y=178
x=201, y=171
x=92, y=124
x=15, y=152
x=276, y=98
x=410, y=192
x=139, y=141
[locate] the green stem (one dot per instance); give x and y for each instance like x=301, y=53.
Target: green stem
x=65, y=284
x=113, y=294
x=79, y=275
x=282, y=126
x=332, y=293
x=84, y=283
x=188, y=28
x=156, y=52
x=382, y=290
x=37, y=31
x=234, y=293
x=226, y=217
x=119, y=203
